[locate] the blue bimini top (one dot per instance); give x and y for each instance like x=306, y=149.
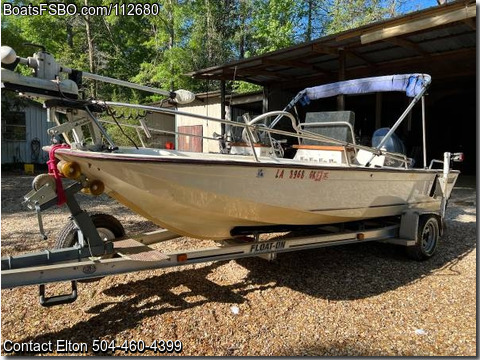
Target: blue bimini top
x=412, y=84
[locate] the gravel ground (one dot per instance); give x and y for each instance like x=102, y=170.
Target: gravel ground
x=366, y=299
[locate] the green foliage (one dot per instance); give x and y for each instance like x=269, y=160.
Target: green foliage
x=273, y=22
x=349, y=14
x=241, y=87
x=185, y=36
x=10, y=102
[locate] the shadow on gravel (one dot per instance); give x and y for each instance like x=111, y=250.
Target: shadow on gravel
x=345, y=348
x=145, y=298
x=337, y=273
x=358, y=271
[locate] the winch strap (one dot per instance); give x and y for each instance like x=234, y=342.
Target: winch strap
x=52, y=170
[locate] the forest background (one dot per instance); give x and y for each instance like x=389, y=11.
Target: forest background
x=185, y=36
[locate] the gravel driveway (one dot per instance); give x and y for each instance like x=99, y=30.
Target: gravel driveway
x=366, y=299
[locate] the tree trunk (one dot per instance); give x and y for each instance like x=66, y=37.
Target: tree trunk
x=308, y=34
x=171, y=40
x=69, y=35
x=91, y=49
x=243, y=31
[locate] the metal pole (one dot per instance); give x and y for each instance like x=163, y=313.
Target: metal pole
x=246, y=118
x=125, y=83
x=400, y=119
x=398, y=122
x=304, y=134
x=288, y=107
x=424, y=134
x=341, y=77
x=100, y=127
x=222, y=105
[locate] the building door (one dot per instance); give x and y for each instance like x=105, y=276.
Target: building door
x=190, y=143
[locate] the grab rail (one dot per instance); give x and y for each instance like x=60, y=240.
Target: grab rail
x=252, y=126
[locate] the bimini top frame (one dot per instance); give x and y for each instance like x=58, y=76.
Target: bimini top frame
x=411, y=84
x=414, y=85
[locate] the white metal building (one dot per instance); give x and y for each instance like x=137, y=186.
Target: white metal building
x=24, y=133
x=210, y=104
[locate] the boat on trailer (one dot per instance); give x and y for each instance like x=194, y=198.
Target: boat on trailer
x=207, y=195
x=249, y=187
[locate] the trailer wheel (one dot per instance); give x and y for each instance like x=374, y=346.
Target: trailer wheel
x=108, y=227
x=427, y=238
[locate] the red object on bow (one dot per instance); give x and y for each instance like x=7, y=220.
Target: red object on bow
x=52, y=170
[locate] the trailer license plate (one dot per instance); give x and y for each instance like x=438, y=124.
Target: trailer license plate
x=267, y=246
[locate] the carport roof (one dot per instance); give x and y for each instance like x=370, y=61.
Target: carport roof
x=440, y=41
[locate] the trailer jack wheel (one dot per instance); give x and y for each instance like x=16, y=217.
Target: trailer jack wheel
x=427, y=238
x=58, y=299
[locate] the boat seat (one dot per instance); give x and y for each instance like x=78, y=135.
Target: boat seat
x=242, y=148
x=324, y=153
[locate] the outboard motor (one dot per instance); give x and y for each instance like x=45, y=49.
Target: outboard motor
x=393, y=144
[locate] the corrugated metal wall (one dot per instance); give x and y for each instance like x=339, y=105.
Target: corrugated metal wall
x=207, y=107
x=160, y=122
x=36, y=127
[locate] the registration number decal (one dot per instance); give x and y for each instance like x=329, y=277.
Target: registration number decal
x=314, y=175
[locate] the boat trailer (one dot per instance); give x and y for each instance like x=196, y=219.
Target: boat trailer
x=136, y=254
x=94, y=256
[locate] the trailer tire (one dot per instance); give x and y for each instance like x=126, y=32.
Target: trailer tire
x=109, y=228
x=428, y=234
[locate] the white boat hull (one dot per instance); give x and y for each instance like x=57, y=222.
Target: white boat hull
x=207, y=195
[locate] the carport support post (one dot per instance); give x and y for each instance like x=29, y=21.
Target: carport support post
x=341, y=77
x=266, y=94
x=424, y=134
x=223, y=111
x=378, y=110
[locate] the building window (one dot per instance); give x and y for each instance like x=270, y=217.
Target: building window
x=13, y=126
